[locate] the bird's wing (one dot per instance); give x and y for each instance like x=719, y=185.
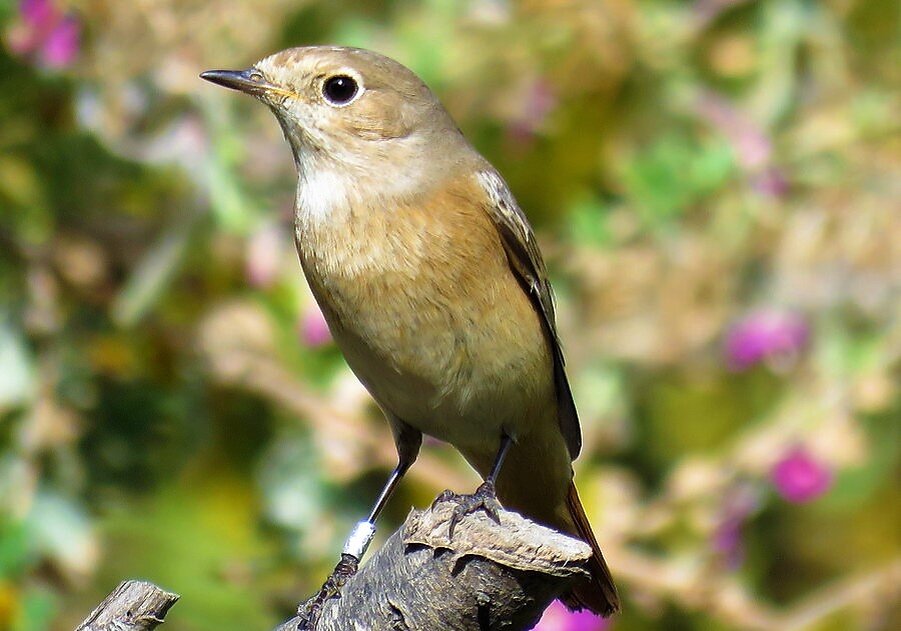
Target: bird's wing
x=526, y=262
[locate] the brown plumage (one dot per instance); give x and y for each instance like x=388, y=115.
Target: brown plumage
x=430, y=278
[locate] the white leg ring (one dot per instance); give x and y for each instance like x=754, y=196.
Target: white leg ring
x=360, y=538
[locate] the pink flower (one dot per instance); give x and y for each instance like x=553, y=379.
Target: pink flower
x=727, y=542
x=765, y=335
x=708, y=10
x=770, y=183
x=61, y=46
x=45, y=34
x=537, y=104
x=263, y=257
x=558, y=618
x=38, y=13
x=799, y=477
x=314, y=331
x=752, y=146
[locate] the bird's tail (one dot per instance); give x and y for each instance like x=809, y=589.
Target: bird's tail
x=598, y=593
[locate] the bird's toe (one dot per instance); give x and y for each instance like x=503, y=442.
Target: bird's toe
x=484, y=499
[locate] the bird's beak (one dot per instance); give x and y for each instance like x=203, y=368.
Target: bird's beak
x=250, y=81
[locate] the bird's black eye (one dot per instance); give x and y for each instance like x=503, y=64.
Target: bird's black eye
x=339, y=90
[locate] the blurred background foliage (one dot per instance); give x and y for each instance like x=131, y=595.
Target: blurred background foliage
x=716, y=186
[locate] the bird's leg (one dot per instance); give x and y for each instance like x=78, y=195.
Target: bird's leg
x=354, y=549
x=308, y=612
x=357, y=543
x=484, y=498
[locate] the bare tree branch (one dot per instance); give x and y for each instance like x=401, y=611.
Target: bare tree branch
x=491, y=576
x=132, y=606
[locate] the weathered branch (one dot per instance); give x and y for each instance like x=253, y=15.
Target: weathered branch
x=492, y=576
x=133, y=606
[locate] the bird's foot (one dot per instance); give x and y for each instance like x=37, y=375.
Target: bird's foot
x=309, y=611
x=485, y=498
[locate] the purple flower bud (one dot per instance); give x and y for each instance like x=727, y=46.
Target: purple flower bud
x=45, y=35
x=765, y=335
x=753, y=147
x=799, y=477
x=263, y=257
x=728, y=542
x=40, y=14
x=314, y=331
x=771, y=183
x=751, y=144
x=558, y=618
x=60, y=48
x=537, y=104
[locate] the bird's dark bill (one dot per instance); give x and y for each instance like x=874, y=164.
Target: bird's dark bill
x=250, y=80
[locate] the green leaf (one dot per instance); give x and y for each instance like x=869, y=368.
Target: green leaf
x=37, y=611
x=587, y=222
x=153, y=273
x=16, y=548
x=16, y=366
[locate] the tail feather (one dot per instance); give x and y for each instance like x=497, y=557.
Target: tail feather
x=598, y=593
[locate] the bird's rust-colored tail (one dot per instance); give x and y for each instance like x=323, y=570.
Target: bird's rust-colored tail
x=598, y=593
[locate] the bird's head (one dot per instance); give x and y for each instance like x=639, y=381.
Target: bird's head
x=352, y=108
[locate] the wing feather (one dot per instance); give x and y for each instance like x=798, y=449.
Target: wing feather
x=528, y=265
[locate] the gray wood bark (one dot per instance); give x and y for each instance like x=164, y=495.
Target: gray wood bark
x=132, y=606
x=491, y=576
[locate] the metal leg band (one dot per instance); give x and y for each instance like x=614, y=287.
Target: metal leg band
x=360, y=538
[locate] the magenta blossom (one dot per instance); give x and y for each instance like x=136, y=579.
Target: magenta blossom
x=770, y=183
x=61, y=46
x=751, y=144
x=739, y=503
x=558, y=618
x=753, y=147
x=799, y=477
x=45, y=34
x=765, y=335
x=538, y=102
x=263, y=256
x=728, y=542
x=38, y=13
x=314, y=331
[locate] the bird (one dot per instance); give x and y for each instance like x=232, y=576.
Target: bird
x=432, y=283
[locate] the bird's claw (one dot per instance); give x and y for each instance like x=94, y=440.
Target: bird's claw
x=484, y=498
x=309, y=611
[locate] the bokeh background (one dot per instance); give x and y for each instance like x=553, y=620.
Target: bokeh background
x=716, y=185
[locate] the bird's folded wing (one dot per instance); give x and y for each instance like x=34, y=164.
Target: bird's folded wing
x=528, y=265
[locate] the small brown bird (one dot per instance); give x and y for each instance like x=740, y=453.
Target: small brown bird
x=431, y=282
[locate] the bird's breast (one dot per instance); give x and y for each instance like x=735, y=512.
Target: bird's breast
x=421, y=299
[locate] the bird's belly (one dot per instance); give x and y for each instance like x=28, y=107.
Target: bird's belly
x=448, y=371
x=423, y=304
